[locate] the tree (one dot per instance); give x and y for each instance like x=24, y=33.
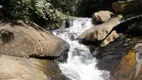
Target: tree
x=65, y=6
x=88, y=7
x=40, y=11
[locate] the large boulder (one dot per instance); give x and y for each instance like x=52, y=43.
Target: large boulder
x=123, y=58
x=17, y=68
x=100, y=32
x=108, y=32
x=27, y=52
x=101, y=16
x=22, y=40
x=133, y=60
x=126, y=69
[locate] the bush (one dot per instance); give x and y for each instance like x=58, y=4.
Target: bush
x=65, y=6
x=39, y=11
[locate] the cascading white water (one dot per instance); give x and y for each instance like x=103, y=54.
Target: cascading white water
x=80, y=64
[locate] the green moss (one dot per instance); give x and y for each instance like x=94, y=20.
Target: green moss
x=126, y=4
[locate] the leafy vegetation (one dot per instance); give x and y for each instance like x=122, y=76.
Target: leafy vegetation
x=40, y=11
x=50, y=12
x=88, y=7
x=65, y=6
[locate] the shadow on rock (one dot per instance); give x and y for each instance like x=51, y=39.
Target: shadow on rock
x=111, y=55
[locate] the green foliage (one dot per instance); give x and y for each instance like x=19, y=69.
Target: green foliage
x=51, y=12
x=39, y=11
x=88, y=7
x=44, y=9
x=19, y=9
x=65, y=6
x=125, y=5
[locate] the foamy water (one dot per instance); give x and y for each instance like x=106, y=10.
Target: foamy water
x=80, y=65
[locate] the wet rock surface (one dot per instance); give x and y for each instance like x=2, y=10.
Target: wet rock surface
x=111, y=55
x=122, y=58
x=126, y=69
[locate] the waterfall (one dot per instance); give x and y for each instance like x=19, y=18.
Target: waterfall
x=80, y=64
